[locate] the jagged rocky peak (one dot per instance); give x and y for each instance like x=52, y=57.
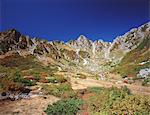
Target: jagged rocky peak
x=81, y=43
x=84, y=43
x=10, y=35
x=100, y=45
x=82, y=38
x=57, y=42
x=131, y=39
x=9, y=40
x=145, y=27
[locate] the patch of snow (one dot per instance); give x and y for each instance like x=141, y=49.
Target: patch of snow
x=93, y=48
x=59, y=68
x=106, y=53
x=85, y=62
x=77, y=52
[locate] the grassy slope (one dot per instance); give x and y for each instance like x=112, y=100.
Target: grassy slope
x=16, y=67
x=129, y=65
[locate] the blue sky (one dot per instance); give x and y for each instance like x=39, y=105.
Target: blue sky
x=67, y=19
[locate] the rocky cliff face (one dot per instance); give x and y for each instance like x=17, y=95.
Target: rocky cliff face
x=9, y=40
x=128, y=41
x=82, y=52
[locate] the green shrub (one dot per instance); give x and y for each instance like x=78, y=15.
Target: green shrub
x=64, y=107
x=114, y=94
x=131, y=104
x=146, y=82
x=60, y=90
x=125, y=89
x=28, y=82
x=95, y=89
x=57, y=79
x=96, y=103
x=37, y=77
x=18, y=78
x=64, y=87
x=103, y=99
x=51, y=80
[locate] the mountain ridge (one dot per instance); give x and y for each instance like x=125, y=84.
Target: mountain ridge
x=82, y=52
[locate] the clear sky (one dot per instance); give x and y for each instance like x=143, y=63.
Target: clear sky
x=67, y=19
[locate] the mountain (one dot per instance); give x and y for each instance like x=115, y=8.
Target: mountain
x=41, y=72
x=121, y=56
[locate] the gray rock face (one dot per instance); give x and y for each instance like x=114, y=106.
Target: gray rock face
x=123, y=44
x=144, y=73
x=130, y=40
x=81, y=43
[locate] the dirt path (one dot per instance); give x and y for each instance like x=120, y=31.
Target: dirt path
x=33, y=106
x=84, y=83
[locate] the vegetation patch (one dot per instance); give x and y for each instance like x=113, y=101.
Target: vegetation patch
x=18, y=78
x=64, y=107
x=60, y=90
x=84, y=54
x=115, y=101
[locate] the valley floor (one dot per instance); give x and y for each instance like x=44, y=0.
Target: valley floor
x=37, y=104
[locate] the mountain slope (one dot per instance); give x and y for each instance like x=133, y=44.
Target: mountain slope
x=124, y=56
x=136, y=59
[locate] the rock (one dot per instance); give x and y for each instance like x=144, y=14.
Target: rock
x=144, y=73
x=25, y=90
x=3, y=94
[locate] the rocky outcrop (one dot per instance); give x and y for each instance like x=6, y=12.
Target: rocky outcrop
x=12, y=40
x=144, y=73
x=9, y=40
x=129, y=40
x=81, y=43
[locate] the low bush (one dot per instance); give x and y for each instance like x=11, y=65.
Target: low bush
x=95, y=89
x=64, y=107
x=28, y=82
x=19, y=79
x=61, y=79
x=52, y=80
x=37, y=77
x=131, y=104
x=146, y=82
x=56, y=79
x=125, y=89
x=117, y=101
x=60, y=90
